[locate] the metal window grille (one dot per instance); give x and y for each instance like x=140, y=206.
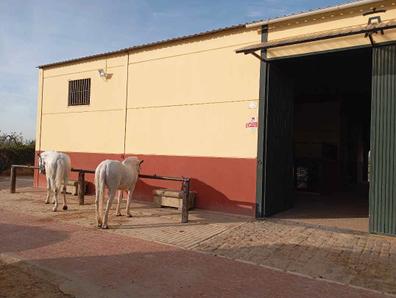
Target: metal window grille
x=79, y=92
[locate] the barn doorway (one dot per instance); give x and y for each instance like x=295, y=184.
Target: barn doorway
x=318, y=139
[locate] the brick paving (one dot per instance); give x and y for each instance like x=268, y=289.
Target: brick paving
x=87, y=262
x=149, y=223
x=352, y=258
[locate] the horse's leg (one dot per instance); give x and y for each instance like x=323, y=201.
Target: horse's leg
x=56, y=193
x=130, y=192
x=112, y=193
x=98, y=198
x=47, y=200
x=120, y=196
x=64, y=194
x=53, y=190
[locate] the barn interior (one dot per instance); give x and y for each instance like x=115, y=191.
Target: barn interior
x=332, y=98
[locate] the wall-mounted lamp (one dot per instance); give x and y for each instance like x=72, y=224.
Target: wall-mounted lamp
x=102, y=73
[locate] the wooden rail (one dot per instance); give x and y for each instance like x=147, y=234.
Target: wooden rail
x=81, y=185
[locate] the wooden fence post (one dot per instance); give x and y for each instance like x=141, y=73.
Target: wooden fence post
x=186, y=194
x=13, y=179
x=81, y=187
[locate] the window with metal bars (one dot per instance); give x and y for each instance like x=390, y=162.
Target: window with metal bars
x=79, y=92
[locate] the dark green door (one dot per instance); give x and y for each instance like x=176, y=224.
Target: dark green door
x=278, y=190
x=383, y=142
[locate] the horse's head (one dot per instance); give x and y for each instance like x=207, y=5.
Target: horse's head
x=133, y=162
x=41, y=164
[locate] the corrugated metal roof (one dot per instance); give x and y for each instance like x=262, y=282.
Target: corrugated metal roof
x=145, y=45
x=185, y=37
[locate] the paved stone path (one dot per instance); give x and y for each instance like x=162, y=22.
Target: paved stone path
x=149, y=223
x=87, y=262
x=357, y=259
x=352, y=258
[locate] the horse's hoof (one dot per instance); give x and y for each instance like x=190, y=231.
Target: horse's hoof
x=99, y=226
x=64, y=207
x=105, y=227
x=129, y=215
x=46, y=202
x=54, y=209
x=118, y=214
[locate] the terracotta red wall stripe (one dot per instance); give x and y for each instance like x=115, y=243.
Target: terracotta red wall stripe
x=222, y=184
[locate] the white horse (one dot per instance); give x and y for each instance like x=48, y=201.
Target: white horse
x=56, y=167
x=115, y=175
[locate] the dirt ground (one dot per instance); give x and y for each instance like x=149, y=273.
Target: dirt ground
x=22, y=181
x=21, y=281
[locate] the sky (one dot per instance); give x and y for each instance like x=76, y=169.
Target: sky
x=36, y=32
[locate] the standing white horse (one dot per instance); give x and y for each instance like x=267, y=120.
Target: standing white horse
x=56, y=167
x=115, y=175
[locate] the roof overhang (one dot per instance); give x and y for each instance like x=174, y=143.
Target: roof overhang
x=330, y=9
x=367, y=30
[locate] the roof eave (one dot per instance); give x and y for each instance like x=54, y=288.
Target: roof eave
x=311, y=13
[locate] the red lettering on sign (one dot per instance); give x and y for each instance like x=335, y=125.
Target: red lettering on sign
x=252, y=124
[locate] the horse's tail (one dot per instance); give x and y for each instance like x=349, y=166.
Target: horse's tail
x=100, y=177
x=60, y=174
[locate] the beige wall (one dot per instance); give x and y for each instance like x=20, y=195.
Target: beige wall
x=329, y=22
x=188, y=98
x=98, y=127
x=193, y=99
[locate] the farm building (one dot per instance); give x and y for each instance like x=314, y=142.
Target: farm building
x=255, y=114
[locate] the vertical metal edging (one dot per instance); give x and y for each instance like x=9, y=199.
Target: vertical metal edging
x=41, y=119
x=126, y=104
x=373, y=148
x=382, y=211
x=260, y=174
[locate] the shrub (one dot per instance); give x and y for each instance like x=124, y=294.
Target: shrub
x=14, y=149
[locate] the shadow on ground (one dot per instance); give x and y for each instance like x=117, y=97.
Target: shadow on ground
x=33, y=237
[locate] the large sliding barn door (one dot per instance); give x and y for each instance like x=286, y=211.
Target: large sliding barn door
x=278, y=177
x=383, y=142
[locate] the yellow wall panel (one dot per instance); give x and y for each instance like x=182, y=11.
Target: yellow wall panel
x=215, y=130
x=211, y=76
x=231, y=38
x=318, y=46
x=105, y=94
x=200, y=89
x=95, y=132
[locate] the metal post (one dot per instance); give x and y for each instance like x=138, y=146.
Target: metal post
x=81, y=187
x=13, y=179
x=186, y=193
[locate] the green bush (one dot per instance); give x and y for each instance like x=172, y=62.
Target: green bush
x=15, y=150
